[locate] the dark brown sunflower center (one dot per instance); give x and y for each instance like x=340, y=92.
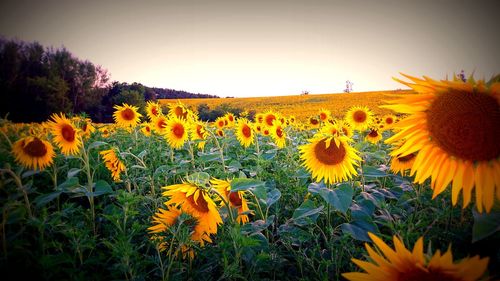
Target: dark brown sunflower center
x=270, y=120
x=179, y=111
x=279, y=132
x=235, y=199
x=314, y=121
x=373, y=133
x=407, y=158
x=389, y=120
x=178, y=130
x=148, y=129
x=231, y=118
x=329, y=155
x=220, y=133
x=199, y=132
x=201, y=205
x=128, y=114
x=84, y=127
x=359, y=116
x=417, y=274
x=323, y=116
x=266, y=132
x=246, y=131
x=35, y=148
x=154, y=111
x=68, y=133
x=466, y=125
x=161, y=124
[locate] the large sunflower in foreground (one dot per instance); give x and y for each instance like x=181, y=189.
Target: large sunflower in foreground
x=126, y=115
x=33, y=153
x=329, y=159
x=244, y=132
x=197, y=203
x=235, y=198
x=455, y=127
x=359, y=117
x=65, y=134
x=176, y=132
x=402, y=264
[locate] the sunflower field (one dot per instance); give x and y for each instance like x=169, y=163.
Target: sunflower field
x=412, y=194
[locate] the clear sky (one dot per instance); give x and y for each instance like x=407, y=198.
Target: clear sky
x=263, y=48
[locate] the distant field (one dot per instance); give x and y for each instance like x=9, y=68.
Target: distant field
x=301, y=106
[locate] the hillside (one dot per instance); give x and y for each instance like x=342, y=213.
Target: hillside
x=301, y=106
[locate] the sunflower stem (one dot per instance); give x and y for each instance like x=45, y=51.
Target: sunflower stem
x=90, y=180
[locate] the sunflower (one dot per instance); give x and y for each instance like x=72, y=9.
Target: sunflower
x=176, y=132
x=197, y=203
x=401, y=164
x=279, y=136
x=244, y=132
x=65, y=135
x=455, y=127
x=220, y=122
x=314, y=122
x=126, y=115
x=402, y=264
x=33, y=153
x=330, y=130
x=230, y=119
x=269, y=118
x=373, y=136
x=266, y=131
x=146, y=129
x=153, y=110
x=359, y=117
x=388, y=121
x=105, y=131
x=258, y=128
x=329, y=159
x=220, y=133
x=345, y=128
x=113, y=163
x=178, y=110
x=160, y=124
x=234, y=198
x=86, y=127
x=198, y=132
x=324, y=114
x=259, y=118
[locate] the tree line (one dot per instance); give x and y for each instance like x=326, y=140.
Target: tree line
x=36, y=81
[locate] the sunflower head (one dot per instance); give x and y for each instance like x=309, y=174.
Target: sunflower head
x=126, y=115
x=313, y=122
x=153, y=110
x=269, y=118
x=220, y=122
x=235, y=199
x=160, y=124
x=113, y=163
x=279, y=135
x=65, y=134
x=176, y=132
x=324, y=114
x=244, y=132
x=178, y=110
x=455, y=127
x=359, y=117
x=373, y=135
x=146, y=129
x=329, y=158
x=33, y=153
x=402, y=264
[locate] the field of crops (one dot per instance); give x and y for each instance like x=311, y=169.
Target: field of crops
x=359, y=194
x=301, y=106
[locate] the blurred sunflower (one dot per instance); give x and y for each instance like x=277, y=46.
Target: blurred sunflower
x=269, y=118
x=259, y=118
x=33, y=153
x=279, y=136
x=113, y=163
x=402, y=264
x=160, y=124
x=313, y=122
x=146, y=129
x=345, y=128
x=230, y=119
x=126, y=115
x=196, y=202
x=65, y=134
x=388, y=121
x=198, y=132
x=359, y=117
x=220, y=122
x=330, y=130
x=235, y=198
x=86, y=127
x=373, y=136
x=153, y=110
x=220, y=132
x=324, y=114
x=176, y=132
x=164, y=219
x=329, y=159
x=178, y=110
x=244, y=132
x=455, y=127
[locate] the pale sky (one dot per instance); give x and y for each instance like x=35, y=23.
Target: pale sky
x=266, y=48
